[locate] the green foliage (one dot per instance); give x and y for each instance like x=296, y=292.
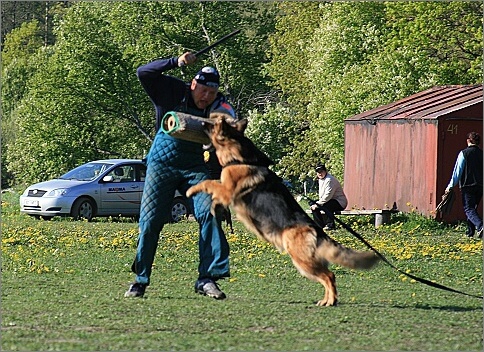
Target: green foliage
x=273, y=131
x=16, y=13
x=289, y=57
x=79, y=106
x=163, y=29
x=365, y=54
x=445, y=38
x=86, y=102
x=298, y=73
x=19, y=51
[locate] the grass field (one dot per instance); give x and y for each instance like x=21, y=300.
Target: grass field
x=63, y=284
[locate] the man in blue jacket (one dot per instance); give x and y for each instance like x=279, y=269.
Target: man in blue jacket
x=468, y=175
x=179, y=164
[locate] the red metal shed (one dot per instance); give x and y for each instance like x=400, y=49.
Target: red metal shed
x=403, y=153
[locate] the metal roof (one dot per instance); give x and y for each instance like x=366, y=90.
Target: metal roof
x=428, y=104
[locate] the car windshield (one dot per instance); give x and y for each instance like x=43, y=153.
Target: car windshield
x=86, y=172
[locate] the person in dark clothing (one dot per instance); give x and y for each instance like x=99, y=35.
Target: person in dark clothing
x=468, y=175
x=331, y=199
x=179, y=164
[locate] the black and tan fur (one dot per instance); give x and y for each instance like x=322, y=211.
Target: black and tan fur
x=267, y=208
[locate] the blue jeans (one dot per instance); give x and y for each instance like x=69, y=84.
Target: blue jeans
x=471, y=197
x=169, y=170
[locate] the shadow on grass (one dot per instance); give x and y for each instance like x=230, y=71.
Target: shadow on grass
x=422, y=306
x=444, y=308
x=312, y=304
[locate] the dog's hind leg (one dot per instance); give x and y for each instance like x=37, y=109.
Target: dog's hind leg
x=320, y=273
x=328, y=280
x=300, y=243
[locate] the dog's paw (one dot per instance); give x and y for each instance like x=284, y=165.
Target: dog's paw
x=218, y=210
x=192, y=191
x=326, y=303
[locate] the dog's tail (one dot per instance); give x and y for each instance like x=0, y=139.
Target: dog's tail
x=336, y=253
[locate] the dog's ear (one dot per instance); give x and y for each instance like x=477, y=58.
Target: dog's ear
x=221, y=129
x=241, y=125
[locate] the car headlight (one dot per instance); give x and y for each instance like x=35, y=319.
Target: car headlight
x=58, y=192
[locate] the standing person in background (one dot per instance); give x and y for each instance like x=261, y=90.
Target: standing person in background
x=331, y=198
x=178, y=164
x=468, y=175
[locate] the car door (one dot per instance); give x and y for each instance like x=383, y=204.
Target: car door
x=121, y=191
x=140, y=181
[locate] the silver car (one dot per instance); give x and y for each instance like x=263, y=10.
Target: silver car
x=111, y=187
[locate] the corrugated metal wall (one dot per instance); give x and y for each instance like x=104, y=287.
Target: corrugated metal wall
x=391, y=162
x=452, y=132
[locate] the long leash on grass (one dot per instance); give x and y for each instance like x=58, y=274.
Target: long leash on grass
x=381, y=256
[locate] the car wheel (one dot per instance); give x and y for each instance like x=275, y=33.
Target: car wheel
x=83, y=208
x=179, y=209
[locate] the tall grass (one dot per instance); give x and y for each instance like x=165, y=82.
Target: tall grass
x=63, y=284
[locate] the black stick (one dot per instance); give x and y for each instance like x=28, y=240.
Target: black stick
x=204, y=50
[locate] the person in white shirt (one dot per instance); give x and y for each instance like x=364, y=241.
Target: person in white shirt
x=331, y=198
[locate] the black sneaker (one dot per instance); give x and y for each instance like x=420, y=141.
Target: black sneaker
x=208, y=287
x=136, y=290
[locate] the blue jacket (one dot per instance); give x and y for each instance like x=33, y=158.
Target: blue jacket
x=169, y=93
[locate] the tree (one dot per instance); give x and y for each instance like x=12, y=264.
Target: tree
x=20, y=46
x=271, y=133
x=300, y=72
x=294, y=30
x=86, y=103
x=447, y=37
x=164, y=29
x=81, y=104
x=15, y=13
x=366, y=54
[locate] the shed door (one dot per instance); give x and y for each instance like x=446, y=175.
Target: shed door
x=453, y=139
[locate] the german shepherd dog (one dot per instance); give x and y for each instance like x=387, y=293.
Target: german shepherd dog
x=267, y=208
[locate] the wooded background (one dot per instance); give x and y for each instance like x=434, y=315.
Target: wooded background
x=296, y=70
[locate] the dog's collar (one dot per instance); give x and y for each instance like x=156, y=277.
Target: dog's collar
x=233, y=162
x=238, y=162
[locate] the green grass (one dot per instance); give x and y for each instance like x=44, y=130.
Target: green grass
x=63, y=284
